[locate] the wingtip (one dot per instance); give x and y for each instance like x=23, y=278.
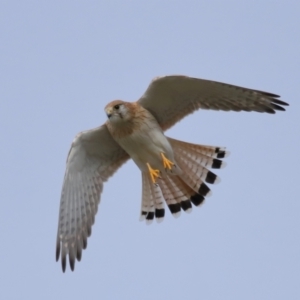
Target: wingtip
x=57, y=254
x=280, y=102
x=72, y=265
x=63, y=264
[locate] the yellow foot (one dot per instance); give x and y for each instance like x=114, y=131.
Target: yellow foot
x=153, y=173
x=167, y=163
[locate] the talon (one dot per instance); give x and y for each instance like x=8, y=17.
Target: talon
x=154, y=174
x=167, y=163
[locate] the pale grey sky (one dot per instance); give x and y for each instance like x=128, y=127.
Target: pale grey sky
x=61, y=62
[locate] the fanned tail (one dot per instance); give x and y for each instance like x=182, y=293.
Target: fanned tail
x=180, y=190
x=195, y=161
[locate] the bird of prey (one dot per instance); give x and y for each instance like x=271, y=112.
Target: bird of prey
x=173, y=172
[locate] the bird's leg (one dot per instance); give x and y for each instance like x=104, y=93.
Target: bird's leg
x=167, y=163
x=154, y=174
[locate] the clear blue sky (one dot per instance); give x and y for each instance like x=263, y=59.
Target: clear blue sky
x=61, y=62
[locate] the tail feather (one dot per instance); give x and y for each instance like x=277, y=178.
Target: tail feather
x=182, y=189
x=191, y=159
x=210, y=151
x=146, y=197
x=178, y=194
x=159, y=202
x=194, y=161
x=189, y=192
x=170, y=196
x=152, y=201
x=201, y=159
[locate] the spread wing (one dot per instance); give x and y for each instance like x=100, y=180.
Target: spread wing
x=94, y=157
x=171, y=98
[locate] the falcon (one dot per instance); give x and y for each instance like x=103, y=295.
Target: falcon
x=174, y=173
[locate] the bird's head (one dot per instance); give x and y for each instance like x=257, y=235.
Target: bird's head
x=125, y=117
x=118, y=111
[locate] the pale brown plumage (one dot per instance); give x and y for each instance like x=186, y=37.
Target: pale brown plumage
x=174, y=172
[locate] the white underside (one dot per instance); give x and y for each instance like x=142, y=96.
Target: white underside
x=146, y=145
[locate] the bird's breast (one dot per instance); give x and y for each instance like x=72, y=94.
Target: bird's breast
x=146, y=144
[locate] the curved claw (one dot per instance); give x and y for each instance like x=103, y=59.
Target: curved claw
x=167, y=163
x=154, y=174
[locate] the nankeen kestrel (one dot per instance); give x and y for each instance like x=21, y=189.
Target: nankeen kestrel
x=174, y=172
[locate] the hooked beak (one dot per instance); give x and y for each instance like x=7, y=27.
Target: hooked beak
x=109, y=112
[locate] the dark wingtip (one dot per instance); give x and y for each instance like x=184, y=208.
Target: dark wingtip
x=280, y=102
x=89, y=231
x=63, y=264
x=277, y=107
x=79, y=253
x=72, y=263
x=268, y=94
x=57, y=254
x=269, y=110
x=84, y=242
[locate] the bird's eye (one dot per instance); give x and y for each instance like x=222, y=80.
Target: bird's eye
x=117, y=106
